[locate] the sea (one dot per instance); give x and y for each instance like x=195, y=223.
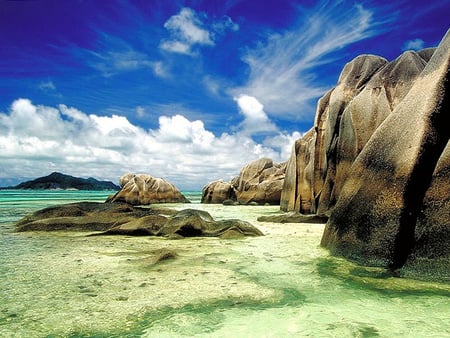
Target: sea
x=282, y=284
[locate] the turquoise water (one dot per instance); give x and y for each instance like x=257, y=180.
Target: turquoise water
x=283, y=284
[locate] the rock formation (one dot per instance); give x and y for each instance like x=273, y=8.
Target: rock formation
x=124, y=219
x=395, y=201
x=377, y=161
x=368, y=90
x=141, y=189
x=218, y=192
x=260, y=182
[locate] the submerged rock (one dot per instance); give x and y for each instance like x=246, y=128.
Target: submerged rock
x=124, y=219
x=141, y=189
x=159, y=256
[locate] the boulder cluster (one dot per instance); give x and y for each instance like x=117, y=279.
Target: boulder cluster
x=259, y=182
x=125, y=219
x=377, y=160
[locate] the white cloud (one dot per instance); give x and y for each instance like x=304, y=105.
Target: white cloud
x=187, y=26
x=35, y=140
x=186, y=30
x=415, y=44
x=282, y=67
x=255, y=119
x=189, y=29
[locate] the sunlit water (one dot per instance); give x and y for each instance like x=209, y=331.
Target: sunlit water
x=65, y=284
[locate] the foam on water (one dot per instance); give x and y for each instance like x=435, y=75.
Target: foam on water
x=282, y=284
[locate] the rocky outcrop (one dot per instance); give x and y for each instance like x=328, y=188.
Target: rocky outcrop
x=368, y=91
x=259, y=182
x=57, y=180
x=395, y=202
x=141, y=189
x=124, y=219
x=218, y=192
x=377, y=161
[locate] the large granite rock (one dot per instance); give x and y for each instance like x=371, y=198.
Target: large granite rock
x=395, y=201
x=377, y=161
x=368, y=91
x=218, y=192
x=259, y=182
x=124, y=219
x=141, y=189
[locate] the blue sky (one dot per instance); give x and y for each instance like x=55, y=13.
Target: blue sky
x=185, y=90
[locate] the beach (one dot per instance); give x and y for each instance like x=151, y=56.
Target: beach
x=65, y=284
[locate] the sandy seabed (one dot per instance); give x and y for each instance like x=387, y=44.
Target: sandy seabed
x=282, y=284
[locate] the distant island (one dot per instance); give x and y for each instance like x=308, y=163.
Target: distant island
x=65, y=182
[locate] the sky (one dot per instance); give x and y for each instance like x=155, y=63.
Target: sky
x=189, y=91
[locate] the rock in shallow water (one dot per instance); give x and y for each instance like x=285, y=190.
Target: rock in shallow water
x=259, y=182
x=141, y=189
x=394, y=206
x=124, y=219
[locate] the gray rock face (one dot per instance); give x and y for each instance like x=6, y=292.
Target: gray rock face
x=369, y=89
x=141, y=189
x=124, y=219
x=314, y=157
x=377, y=161
x=259, y=182
x=218, y=192
x=386, y=210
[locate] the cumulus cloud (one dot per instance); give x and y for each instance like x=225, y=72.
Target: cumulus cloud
x=281, y=68
x=36, y=139
x=255, y=119
x=414, y=44
x=189, y=29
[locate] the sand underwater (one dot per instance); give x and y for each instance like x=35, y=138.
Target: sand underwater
x=64, y=284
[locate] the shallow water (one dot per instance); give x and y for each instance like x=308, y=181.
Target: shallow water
x=283, y=284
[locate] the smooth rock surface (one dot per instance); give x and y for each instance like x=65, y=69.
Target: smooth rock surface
x=259, y=182
x=124, y=219
x=218, y=192
x=394, y=205
x=142, y=189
